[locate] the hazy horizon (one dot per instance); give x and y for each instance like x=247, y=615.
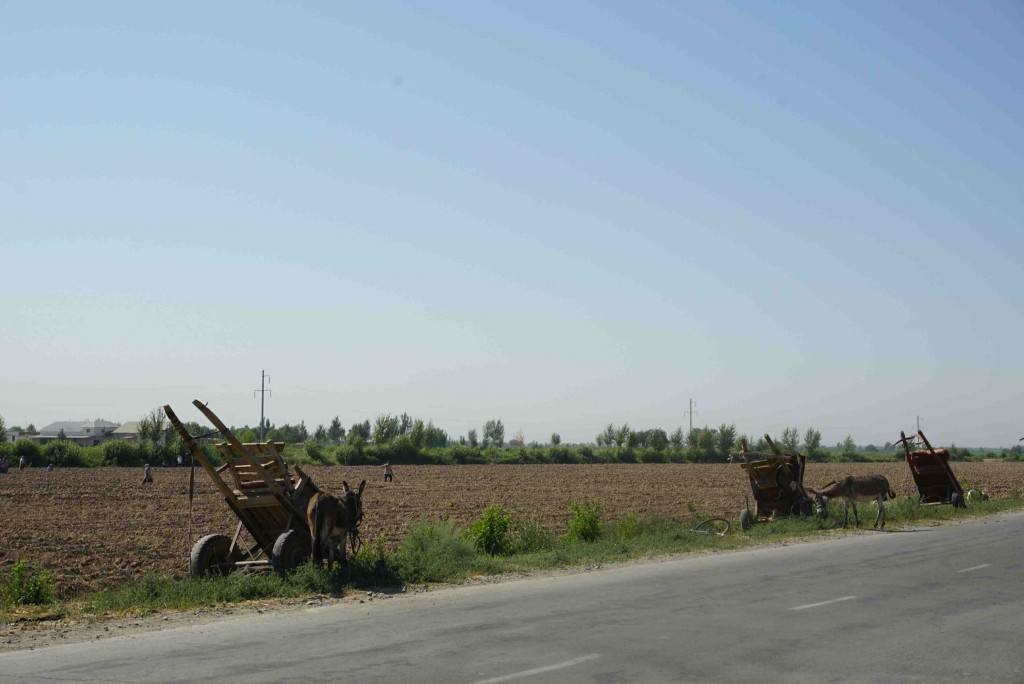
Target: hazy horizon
x=560, y=216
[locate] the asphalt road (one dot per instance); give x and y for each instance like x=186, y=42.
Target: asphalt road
x=932, y=605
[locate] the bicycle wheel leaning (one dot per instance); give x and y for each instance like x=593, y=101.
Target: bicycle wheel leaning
x=716, y=526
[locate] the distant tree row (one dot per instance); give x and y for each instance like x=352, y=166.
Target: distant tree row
x=404, y=439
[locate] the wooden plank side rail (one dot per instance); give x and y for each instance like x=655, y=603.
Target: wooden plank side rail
x=197, y=452
x=241, y=451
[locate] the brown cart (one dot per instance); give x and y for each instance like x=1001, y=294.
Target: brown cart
x=270, y=503
x=936, y=483
x=777, y=482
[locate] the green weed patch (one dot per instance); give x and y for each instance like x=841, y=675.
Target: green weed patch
x=438, y=551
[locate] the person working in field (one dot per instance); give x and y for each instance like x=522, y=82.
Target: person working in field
x=389, y=472
x=147, y=475
x=22, y=464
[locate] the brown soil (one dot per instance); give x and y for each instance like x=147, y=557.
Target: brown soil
x=101, y=527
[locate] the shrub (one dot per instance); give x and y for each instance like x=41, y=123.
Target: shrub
x=460, y=453
x=585, y=521
x=374, y=565
x=314, y=452
x=652, y=456
x=626, y=528
x=434, y=552
x=63, y=453
x=92, y=457
x=530, y=537
x=677, y=455
x=626, y=455
x=27, y=585
x=120, y=453
x=492, y=532
x=30, y=450
x=212, y=454
x=851, y=457
x=561, y=454
x=537, y=454
x=348, y=454
x=399, y=450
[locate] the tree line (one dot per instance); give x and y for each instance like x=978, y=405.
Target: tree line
x=400, y=438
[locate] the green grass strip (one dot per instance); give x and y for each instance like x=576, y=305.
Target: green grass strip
x=435, y=551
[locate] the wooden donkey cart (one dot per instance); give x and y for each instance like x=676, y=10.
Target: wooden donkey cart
x=269, y=501
x=935, y=480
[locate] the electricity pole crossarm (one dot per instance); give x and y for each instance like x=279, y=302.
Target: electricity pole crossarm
x=262, y=391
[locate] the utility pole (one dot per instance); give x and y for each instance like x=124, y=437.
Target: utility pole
x=264, y=378
x=690, y=413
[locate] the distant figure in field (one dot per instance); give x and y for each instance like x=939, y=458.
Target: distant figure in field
x=22, y=464
x=389, y=472
x=49, y=468
x=147, y=475
x=3, y=465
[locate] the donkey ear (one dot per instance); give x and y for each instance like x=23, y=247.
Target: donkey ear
x=362, y=485
x=344, y=486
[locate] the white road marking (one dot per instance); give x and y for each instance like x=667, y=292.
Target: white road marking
x=976, y=567
x=539, y=670
x=823, y=603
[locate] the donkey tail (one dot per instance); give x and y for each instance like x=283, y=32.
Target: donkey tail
x=317, y=521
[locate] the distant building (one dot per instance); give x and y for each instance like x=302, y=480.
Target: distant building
x=13, y=437
x=83, y=433
x=128, y=432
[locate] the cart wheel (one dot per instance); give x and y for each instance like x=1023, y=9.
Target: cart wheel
x=957, y=500
x=210, y=556
x=746, y=519
x=291, y=550
x=783, y=477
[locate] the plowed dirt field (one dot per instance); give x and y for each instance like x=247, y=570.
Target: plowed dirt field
x=101, y=527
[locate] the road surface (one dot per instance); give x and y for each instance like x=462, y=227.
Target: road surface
x=941, y=604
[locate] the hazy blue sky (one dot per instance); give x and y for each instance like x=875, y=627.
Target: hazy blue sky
x=556, y=214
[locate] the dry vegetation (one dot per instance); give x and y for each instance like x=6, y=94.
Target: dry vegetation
x=100, y=527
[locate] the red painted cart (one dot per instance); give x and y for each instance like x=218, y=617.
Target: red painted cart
x=936, y=483
x=777, y=482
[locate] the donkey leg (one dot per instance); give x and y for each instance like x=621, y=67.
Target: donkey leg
x=856, y=518
x=317, y=552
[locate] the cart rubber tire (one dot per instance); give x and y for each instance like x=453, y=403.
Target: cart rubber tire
x=783, y=477
x=957, y=500
x=210, y=556
x=291, y=550
x=746, y=519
